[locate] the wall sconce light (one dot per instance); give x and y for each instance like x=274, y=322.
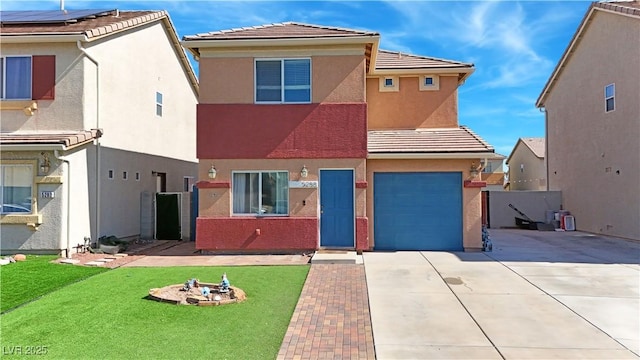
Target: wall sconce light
x=475, y=170
x=45, y=165
x=30, y=110
x=212, y=172
x=304, y=172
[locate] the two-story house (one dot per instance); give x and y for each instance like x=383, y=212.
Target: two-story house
x=526, y=162
x=592, y=107
x=98, y=114
x=311, y=137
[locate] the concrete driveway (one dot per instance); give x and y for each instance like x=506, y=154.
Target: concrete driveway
x=537, y=295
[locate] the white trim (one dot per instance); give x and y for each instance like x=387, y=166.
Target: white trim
x=282, y=86
x=40, y=38
x=395, y=84
x=260, y=172
x=4, y=78
x=355, y=215
x=460, y=155
x=613, y=85
x=217, y=43
x=434, y=86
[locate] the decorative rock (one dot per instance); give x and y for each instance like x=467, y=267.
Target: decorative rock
x=20, y=257
x=105, y=260
x=120, y=255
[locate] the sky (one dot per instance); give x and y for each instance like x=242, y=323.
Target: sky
x=514, y=45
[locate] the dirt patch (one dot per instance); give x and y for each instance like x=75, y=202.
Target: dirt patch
x=176, y=294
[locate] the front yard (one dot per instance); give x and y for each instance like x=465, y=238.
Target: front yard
x=108, y=316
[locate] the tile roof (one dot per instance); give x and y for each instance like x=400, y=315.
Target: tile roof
x=536, y=145
x=624, y=8
x=67, y=139
x=445, y=140
x=396, y=60
x=104, y=24
x=286, y=30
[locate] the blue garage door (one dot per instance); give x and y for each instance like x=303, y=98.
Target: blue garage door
x=417, y=211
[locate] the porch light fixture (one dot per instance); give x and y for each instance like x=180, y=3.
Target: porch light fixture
x=45, y=165
x=212, y=172
x=475, y=170
x=304, y=172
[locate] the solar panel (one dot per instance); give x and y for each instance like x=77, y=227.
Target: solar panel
x=49, y=16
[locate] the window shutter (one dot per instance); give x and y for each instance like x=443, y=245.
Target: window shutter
x=44, y=77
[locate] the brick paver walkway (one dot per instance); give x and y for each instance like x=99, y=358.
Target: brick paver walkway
x=331, y=319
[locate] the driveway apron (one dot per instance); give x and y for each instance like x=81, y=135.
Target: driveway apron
x=503, y=304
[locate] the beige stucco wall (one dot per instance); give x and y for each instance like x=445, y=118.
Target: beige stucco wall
x=336, y=77
x=410, y=108
x=67, y=110
x=217, y=201
x=532, y=176
x=594, y=157
x=471, y=197
x=134, y=65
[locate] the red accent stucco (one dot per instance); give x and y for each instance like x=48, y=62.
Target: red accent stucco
x=44, y=77
x=257, y=234
x=361, y=184
x=213, y=184
x=362, y=234
x=249, y=131
x=474, y=184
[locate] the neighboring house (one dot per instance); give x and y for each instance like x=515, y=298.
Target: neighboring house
x=493, y=173
x=526, y=165
x=592, y=111
x=311, y=137
x=98, y=113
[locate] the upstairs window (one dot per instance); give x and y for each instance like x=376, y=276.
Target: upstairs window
x=429, y=82
x=27, y=77
x=158, y=103
x=261, y=193
x=16, y=188
x=283, y=81
x=610, y=97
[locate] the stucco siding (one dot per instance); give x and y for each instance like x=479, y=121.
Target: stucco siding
x=66, y=111
x=471, y=197
x=246, y=131
x=133, y=66
x=410, y=108
x=219, y=229
x=594, y=156
x=526, y=170
x=120, y=198
x=227, y=80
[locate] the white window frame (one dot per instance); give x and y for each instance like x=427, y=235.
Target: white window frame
x=125, y=175
x=260, y=172
x=110, y=174
x=282, y=86
x=5, y=165
x=612, y=97
x=159, y=103
x=383, y=87
x=434, y=86
x=4, y=77
x=138, y=176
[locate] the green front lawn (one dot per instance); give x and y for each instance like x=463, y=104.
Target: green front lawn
x=27, y=280
x=108, y=316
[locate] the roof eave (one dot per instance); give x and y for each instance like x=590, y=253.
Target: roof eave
x=213, y=43
x=432, y=155
x=463, y=71
x=29, y=38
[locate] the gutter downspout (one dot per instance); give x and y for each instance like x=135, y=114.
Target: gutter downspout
x=98, y=168
x=546, y=144
x=68, y=197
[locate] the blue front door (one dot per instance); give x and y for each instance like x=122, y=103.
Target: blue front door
x=337, y=218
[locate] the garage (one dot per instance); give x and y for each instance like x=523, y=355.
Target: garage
x=418, y=211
